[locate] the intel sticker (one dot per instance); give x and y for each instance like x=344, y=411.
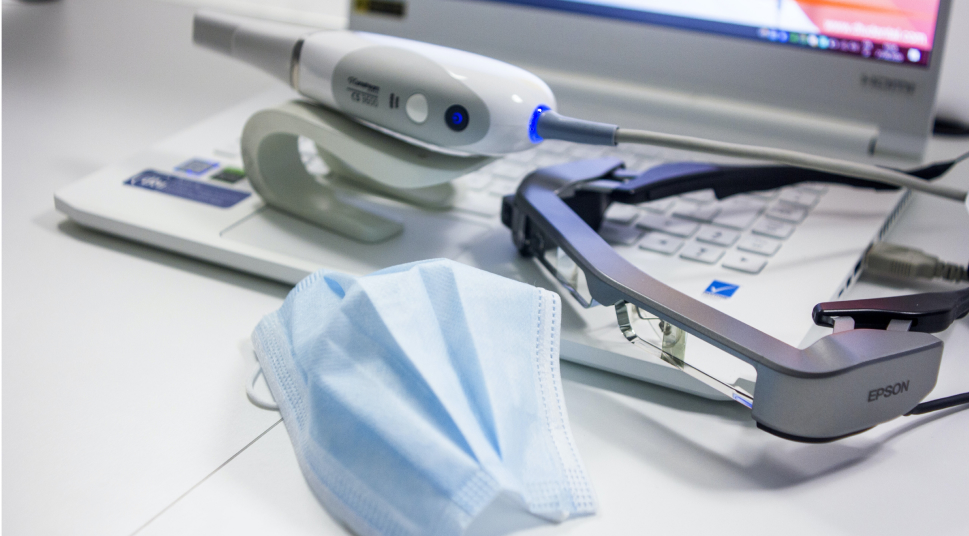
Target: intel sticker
x=721, y=289
x=187, y=189
x=196, y=166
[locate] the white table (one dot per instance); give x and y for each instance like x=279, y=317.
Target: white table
x=124, y=366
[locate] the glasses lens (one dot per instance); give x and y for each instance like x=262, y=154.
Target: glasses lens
x=668, y=342
x=568, y=273
x=655, y=336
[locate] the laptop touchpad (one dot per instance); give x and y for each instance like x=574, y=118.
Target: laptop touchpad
x=427, y=235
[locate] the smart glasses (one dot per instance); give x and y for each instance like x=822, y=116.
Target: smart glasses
x=879, y=366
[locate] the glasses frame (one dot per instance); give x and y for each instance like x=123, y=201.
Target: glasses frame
x=817, y=394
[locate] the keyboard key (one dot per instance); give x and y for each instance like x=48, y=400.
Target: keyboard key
x=743, y=202
x=477, y=181
x=766, y=195
x=585, y=152
x=702, y=213
x=717, y=237
x=508, y=169
x=735, y=219
x=700, y=196
x=523, y=157
x=645, y=151
x=480, y=203
x=502, y=188
x=661, y=206
x=788, y=213
x=739, y=212
x=701, y=253
x=556, y=146
x=802, y=198
x=773, y=228
x=742, y=262
x=673, y=226
x=661, y=243
x=546, y=160
x=815, y=187
x=622, y=213
x=631, y=160
x=625, y=235
x=759, y=245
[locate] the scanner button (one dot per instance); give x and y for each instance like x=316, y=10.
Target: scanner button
x=416, y=108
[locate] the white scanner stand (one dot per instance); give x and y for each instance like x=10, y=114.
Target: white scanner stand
x=358, y=157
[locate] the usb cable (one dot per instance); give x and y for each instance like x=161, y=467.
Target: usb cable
x=900, y=261
x=547, y=124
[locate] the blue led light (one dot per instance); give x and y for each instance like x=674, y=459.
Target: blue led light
x=456, y=117
x=533, y=124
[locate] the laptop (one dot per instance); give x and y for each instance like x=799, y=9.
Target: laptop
x=853, y=80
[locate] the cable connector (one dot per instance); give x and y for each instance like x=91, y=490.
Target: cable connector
x=899, y=261
x=547, y=124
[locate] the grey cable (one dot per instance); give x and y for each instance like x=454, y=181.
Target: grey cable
x=793, y=158
x=900, y=261
x=555, y=126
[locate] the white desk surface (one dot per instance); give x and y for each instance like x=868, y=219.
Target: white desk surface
x=123, y=366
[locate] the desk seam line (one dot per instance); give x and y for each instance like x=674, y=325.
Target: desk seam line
x=206, y=477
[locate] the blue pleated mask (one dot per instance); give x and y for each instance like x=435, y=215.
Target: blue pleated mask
x=416, y=395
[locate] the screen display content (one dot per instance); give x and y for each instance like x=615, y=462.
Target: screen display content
x=898, y=31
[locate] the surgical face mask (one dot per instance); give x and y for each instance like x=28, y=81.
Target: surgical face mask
x=417, y=395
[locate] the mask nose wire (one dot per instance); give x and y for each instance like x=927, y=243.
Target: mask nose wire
x=257, y=400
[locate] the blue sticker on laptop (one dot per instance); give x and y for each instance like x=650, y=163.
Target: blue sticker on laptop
x=187, y=189
x=721, y=289
x=196, y=166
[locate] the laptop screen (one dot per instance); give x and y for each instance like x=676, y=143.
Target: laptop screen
x=898, y=31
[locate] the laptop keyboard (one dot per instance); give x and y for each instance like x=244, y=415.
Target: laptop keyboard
x=741, y=232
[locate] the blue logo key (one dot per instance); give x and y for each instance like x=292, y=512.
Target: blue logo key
x=721, y=289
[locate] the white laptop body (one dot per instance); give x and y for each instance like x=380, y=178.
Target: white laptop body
x=227, y=224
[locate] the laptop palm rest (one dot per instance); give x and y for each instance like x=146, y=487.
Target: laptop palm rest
x=426, y=235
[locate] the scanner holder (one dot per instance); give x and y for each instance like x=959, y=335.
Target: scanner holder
x=359, y=158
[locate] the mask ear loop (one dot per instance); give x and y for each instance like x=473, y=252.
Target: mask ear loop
x=256, y=400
